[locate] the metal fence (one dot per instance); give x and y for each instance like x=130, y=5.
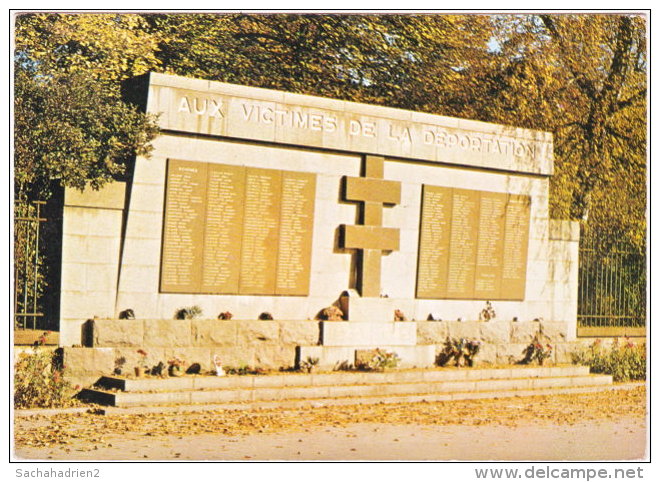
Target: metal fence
x=28, y=265
x=612, y=287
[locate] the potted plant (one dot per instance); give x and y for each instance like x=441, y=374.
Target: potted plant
x=461, y=350
x=309, y=365
x=536, y=351
x=175, y=367
x=142, y=364
x=488, y=313
x=399, y=316
x=188, y=313
x=379, y=361
x=119, y=365
x=470, y=350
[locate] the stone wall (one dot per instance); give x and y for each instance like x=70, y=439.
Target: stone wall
x=112, y=239
x=563, y=263
x=502, y=341
x=112, y=256
x=91, y=247
x=268, y=344
x=272, y=344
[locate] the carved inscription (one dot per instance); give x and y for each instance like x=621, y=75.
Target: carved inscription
x=185, y=205
x=262, y=209
x=339, y=127
x=223, y=229
x=463, y=244
x=515, y=247
x=295, y=237
x=434, y=242
x=289, y=118
x=328, y=122
x=473, y=244
x=488, y=268
x=237, y=230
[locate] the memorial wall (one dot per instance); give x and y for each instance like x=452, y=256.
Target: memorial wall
x=472, y=244
x=236, y=230
x=255, y=200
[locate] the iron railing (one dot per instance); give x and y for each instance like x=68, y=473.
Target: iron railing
x=612, y=286
x=28, y=265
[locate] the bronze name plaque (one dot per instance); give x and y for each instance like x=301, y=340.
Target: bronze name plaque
x=237, y=230
x=185, y=207
x=472, y=244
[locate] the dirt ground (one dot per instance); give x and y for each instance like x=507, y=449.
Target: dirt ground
x=596, y=426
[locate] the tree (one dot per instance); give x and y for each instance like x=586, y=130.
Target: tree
x=71, y=129
x=583, y=78
x=397, y=60
x=67, y=130
x=108, y=47
x=70, y=125
x=612, y=125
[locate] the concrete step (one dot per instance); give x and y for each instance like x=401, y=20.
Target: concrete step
x=348, y=401
x=320, y=387
x=410, y=356
x=202, y=382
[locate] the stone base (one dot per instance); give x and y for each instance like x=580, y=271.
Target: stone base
x=360, y=309
x=279, y=344
x=345, y=333
x=419, y=356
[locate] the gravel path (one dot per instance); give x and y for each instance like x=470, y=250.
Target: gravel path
x=594, y=426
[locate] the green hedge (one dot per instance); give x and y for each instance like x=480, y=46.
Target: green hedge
x=624, y=361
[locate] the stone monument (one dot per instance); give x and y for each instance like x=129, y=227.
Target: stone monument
x=257, y=201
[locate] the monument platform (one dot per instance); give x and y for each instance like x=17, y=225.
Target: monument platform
x=319, y=389
x=329, y=357
x=282, y=344
x=351, y=333
x=258, y=210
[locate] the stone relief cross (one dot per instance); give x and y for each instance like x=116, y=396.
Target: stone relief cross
x=370, y=238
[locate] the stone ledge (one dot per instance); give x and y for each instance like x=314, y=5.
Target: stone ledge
x=86, y=365
x=419, y=356
x=110, y=196
x=564, y=230
x=111, y=333
x=29, y=337
x=149, y=333
x=492, y=332
x=345, y=333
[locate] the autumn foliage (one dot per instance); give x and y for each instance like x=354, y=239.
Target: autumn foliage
x=582, y=77
x=39, y=381
x=625, y=361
